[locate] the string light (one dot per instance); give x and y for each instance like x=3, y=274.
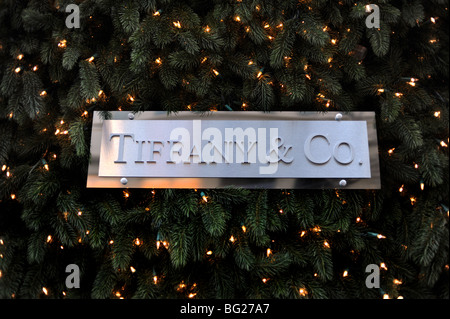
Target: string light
x=383, y=266
x=413, y=200
x=379, y=236
x=264, y=280
x=192, y=295
x=207, y=29
x=232, y=239
x=20, y=57
x=244, y=229
x=18, y=69
x=237, y=18
x=397, y=282
x=215, y=72
x=412, y=82
x=209, y=252
x=155, y=279
x=437, y=114
x=345, y=274
x=316, y=229
x=303, y=233
x=391, y=151
x=401, y=189
x=302, y=292
x=268, y=252
x=45, y=291
x=43, y=93
x=443, y=144
x=91, y=59
x=422, y=185
x=49, y=238
x=62, y=44
x=181, y=286
x=177, y=24
x=137, y=242
x=13, y=196
x=326, y=244
x=446, y=210
x=101, y=94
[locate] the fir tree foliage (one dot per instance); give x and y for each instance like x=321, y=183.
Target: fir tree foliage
x=201, y=56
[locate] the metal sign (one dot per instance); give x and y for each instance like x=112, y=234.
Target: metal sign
x=241, y=149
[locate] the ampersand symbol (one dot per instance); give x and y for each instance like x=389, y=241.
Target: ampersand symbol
x=286, y=149
x=281, y=153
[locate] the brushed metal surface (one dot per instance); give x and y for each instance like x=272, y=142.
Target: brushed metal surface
x=340, y=148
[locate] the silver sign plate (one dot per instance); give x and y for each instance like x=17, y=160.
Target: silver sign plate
x=241, y=149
